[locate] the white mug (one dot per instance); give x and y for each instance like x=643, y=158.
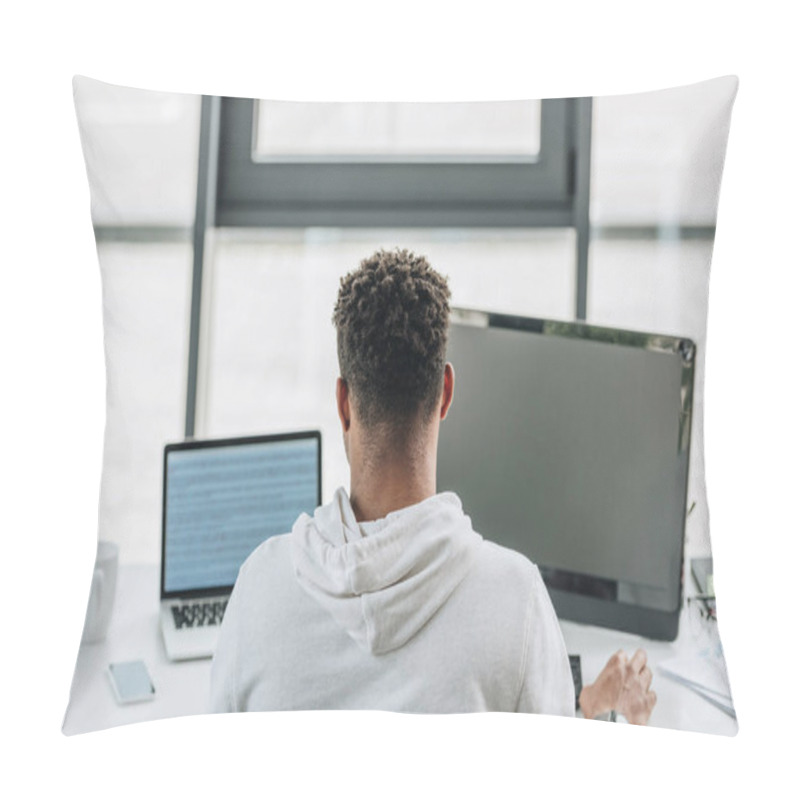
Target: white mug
x=101, y=597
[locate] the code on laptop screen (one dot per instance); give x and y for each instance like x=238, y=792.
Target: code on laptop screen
x=223, y=501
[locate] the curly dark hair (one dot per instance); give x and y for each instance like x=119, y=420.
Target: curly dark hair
x=391, y=319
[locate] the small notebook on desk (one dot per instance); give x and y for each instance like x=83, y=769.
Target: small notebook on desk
x=223, y=498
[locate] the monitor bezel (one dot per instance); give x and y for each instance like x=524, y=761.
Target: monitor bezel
x=203, y=444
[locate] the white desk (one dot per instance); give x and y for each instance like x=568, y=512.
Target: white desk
x=182, y=688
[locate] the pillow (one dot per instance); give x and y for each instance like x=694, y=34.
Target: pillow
x=223, y=228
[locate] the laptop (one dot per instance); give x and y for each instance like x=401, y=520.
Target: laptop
x=222, y=498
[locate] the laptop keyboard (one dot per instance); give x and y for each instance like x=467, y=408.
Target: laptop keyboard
x=198, y=614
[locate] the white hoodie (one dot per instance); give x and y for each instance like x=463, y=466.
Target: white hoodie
x=414, y=612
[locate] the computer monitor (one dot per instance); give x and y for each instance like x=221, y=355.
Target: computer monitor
x=570, y=443
x=224, y=497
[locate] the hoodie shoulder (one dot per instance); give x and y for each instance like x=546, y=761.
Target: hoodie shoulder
x=271, y=552
x=507, y=563
x=505, y=585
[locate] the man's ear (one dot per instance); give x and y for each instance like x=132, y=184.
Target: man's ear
x=343, y=404
x=448, y=389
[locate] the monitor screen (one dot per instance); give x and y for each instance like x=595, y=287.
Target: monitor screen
x=569, y=443
x=224, y=498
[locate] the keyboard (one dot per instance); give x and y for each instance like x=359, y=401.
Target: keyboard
x=198, y=614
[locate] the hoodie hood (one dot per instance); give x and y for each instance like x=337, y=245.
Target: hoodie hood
x=383, y=580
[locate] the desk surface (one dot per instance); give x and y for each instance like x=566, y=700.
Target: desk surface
x=182, y=688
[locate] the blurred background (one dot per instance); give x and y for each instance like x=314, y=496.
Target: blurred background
x=266, y=356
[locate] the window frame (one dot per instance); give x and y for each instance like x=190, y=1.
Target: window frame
x=403, y=192
x=236, y=190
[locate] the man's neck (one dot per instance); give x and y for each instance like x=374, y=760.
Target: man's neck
x=374, y=493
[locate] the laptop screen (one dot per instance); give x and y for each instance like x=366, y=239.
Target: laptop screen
x=224, y=498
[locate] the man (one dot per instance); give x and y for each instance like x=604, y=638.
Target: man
x=387, y=598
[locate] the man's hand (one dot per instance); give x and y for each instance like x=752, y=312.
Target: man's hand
x=622, y=686
x=637, y=700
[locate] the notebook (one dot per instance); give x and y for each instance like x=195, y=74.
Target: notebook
x=221, y=499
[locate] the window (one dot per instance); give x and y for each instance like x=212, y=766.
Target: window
x=397, y=131
x=443, y=167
